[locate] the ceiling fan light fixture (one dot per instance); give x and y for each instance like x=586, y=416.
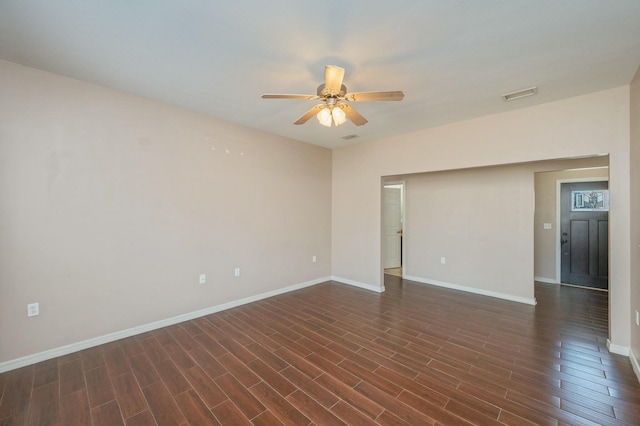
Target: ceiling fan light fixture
x=324, y=117
x=339, y=117
x=334, y=100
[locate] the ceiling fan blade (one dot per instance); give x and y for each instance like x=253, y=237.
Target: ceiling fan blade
x=374, y=96
x=333, y=79
x=278, y=96
x=353, y=115
x=307, y=115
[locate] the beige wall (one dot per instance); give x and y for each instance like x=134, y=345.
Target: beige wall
x=112, y=205
x=476, y=219
x=546, y=240
x=588, y=125
x=635, y=219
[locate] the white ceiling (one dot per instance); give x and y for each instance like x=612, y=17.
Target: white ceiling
x=453, y=59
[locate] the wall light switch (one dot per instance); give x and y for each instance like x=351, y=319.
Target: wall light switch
x=547, y=226
x=443, y=260
x=314, y=259
x=203, y=278
x=237, y=272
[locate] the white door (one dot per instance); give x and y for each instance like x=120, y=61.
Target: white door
x=392, y=227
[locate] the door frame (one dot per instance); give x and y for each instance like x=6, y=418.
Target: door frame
x=559, y=183
x=403, y=200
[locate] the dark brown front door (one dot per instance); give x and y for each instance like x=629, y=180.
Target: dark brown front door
x=584, y=239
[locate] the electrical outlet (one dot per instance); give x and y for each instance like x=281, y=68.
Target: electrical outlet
x=443, y=260
x=637, y=317
x=203, y=278
x=237, y=272
x=33, y=309
x=313, y=259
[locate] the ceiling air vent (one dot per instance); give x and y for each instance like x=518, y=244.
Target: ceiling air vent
x=520, y=94
x=351, y=136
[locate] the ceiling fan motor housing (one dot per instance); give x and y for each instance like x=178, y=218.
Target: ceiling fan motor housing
x=323, y=93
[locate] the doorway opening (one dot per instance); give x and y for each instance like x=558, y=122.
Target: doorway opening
x=571, y=226
x=393, y=227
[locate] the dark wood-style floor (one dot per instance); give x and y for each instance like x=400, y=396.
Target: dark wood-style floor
x=333, y=354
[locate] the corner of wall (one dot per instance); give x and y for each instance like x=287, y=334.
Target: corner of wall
x=635, y=364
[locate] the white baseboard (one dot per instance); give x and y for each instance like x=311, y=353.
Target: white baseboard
x=617, y=349
x=545, y=280
x=85, y=344
x=635, y=364
x=358, y=284
x=473, y=290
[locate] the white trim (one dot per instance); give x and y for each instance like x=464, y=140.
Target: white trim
x=635, y=364
x=545, y=280
x=482, y=292
x=559, y=183
x=85, y=344
x=617, y=349
x=369, y=287
x=585, y=287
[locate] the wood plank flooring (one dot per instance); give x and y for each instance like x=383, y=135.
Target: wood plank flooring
x=333, y=354
x=394, y=271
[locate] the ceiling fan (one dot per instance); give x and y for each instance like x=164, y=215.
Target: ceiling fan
x=334, y=106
